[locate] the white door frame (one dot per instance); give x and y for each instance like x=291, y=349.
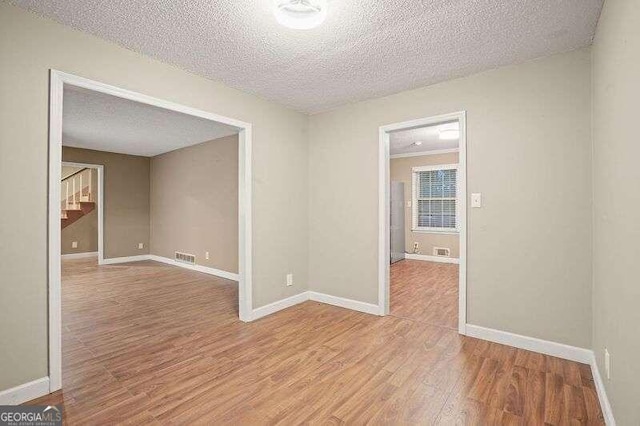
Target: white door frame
x=57, y=81
x=383, y=209
x=100, y=169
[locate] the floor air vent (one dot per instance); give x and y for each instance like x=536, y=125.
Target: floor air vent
x=441, y=251
x=186, y=258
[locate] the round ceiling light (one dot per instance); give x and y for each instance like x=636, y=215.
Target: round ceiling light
x=300, y=14
x=449, y=134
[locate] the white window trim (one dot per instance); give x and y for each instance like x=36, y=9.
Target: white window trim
x=414, y=200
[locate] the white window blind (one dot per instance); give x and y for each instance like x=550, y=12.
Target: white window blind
x=435, y=190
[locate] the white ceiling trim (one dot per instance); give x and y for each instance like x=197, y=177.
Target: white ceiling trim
x=421, y=154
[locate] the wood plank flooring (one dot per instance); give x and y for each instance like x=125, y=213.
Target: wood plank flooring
x=148, y=343
x=425, y=291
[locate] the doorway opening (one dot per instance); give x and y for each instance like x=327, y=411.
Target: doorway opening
x=422, y=211
x=123, y=172
x=82, y=211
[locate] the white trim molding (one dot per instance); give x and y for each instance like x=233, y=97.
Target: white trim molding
x=80, y=255
x=384, y=184
x=341, y=302
x=25, y=392
x=533, y=344
x=421, y=154
x=427, y=258
x=355, y=305
x=200, y=268
x=57, y=81
x=279, y=305
x=126, y=259
x=607, y=412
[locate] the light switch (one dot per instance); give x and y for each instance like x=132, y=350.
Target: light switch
x=408, y=203
x=74, y=244
x=476, y=200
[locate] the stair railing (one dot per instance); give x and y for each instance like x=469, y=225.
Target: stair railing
x=76, y=188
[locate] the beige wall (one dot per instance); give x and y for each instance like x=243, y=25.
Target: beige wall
x=616, y=149
x=29, y=47
x=85, y=230
x=529, y=154
x=126, y=199
x=194, y=203
x=401, y=171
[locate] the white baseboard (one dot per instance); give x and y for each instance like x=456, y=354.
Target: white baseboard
x=428, y=258
x=125, y=259
x=25, y=392
x=602, y=393
x=279, y=305
x=79, y=255
x=355, y=305
x=204, y=269
x=533, y=344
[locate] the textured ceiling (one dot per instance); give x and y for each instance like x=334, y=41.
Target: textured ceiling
x=402, y=142
x=102, y=122
x=365, y=48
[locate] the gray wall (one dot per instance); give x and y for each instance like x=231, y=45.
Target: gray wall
x=616, y=176
x=29, y=47
x=529, y=153
x=126, y=199
x=194, y=203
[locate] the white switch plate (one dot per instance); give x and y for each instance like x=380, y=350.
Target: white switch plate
x=607, y=363
x=206, y=255
x=74, y=244
x=140, y=245
x=476, y=200
x=408, y=203
x=289, y=280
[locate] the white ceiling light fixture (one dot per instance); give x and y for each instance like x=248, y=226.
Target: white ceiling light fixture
x=300, y=14
x=449, y=134
x=417, y=143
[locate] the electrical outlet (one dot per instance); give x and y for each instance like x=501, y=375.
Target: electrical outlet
x=476, y=200
x=206, y=255
x=74, y=244
x=289, y=280
x=140, y=246
x=607, y=363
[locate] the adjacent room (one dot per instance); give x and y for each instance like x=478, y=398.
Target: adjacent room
x=320, y=212
x=425, y=223
x=147, y=195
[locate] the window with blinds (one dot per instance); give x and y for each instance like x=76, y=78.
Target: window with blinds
x=435, y=190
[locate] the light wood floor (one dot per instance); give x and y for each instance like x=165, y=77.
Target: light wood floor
x=147, y=343
x=425, y=291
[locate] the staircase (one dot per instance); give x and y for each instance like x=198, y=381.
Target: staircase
x=77, y=196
